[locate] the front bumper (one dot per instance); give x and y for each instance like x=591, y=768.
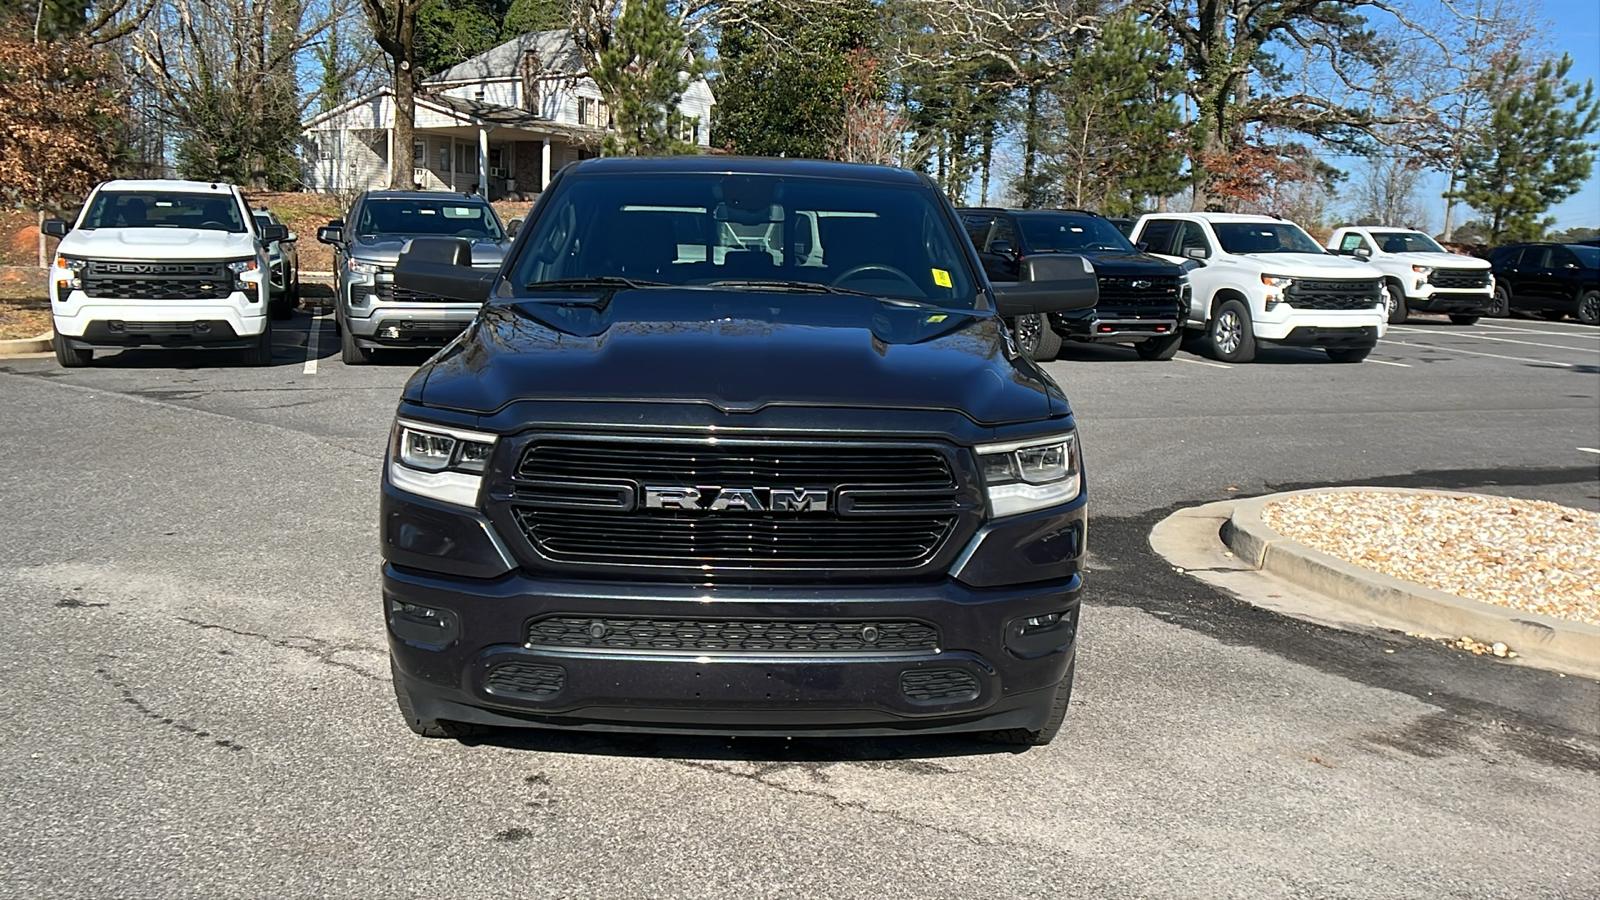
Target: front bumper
x=1287, y=325
x=385, y=324
x=1116, y=326
x=1449, y=301
x=478, y=660
x=92, y=321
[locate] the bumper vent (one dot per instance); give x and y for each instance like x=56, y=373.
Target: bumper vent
x=938, y=685
x=737, y=635
x=526, y=680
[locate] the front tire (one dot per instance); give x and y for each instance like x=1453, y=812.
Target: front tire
x=1157, y=349
x=1589, y=308
x=350, y=352
x=1024, y=737
x=1463, y=320
x=1395, y=303
x=1347, y=354
x=1036, y=338
x=1500, y=306
x=1231, y=336
x=260, y=353
x=68, y=356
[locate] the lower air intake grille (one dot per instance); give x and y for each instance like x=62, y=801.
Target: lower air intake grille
x=739, y=635
x=526, y=679
x=938, y=685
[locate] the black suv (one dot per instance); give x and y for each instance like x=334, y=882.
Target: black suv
x=738, y=446
x=1143, y=298
x=1553, y=280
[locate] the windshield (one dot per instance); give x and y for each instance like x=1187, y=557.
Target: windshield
x=1065, y=233
x=420, y=215
x=163, y=209
x=1406, y=242
x=888, y=240
x=1264, y=237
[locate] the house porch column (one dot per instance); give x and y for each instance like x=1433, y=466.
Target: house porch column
x=483, y=160
x=544, y=166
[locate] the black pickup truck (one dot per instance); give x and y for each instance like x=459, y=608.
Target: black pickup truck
x=1143, y=298
x=736, y=446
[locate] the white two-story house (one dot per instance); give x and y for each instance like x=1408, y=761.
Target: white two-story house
x=503, y=122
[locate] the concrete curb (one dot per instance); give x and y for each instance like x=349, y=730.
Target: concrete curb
x=25, y=346
x=1543, y=641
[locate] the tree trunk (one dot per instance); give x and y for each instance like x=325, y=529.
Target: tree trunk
x=1030, y=146
x=401, y=176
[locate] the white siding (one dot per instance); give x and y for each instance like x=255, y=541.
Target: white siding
x=498, y=92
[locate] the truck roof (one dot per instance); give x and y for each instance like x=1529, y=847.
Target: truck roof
x=1217, y=216
x=168, y=184
x=744, y=165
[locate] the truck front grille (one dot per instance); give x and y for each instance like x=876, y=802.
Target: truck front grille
x=157, y=281
x=389, y=292
x=738, y=635
x=587, y=501
x=938, y=685
x=1332, y=294
x=1459, y=279
x=1152, y=292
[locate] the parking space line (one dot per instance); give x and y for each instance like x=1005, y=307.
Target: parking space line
x=1485, y=337
x=1201, y=362
x=311, y=345
x=1542, y=362
x=1385, y=362
x=1579, y=331
x=1589, y=449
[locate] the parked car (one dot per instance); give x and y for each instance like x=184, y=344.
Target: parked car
x=1418, y=274
x=669, y=481
x=370, y=311
x=1143, y=298
x=1263, y=279
x=1552, y=280
x=161, y=263
x=283, y=266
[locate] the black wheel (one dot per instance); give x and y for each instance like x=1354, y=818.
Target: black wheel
x=1232, y=338
x=352, y=353
x=1500, y=306
x=1347, y=354
x=1159, y=348
x=1552, y=315
x=433, y=728
x=67, y=355
x=1589, y=308
x=1036, y=338
x=294, y=289
x=1463, y=320
x=260, y=353
x=1394, y=301
x=1024, y=737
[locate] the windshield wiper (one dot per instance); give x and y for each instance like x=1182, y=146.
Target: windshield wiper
x=581, y=284
x=806, y=287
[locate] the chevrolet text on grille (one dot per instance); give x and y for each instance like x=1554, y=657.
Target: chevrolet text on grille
x=812, y=500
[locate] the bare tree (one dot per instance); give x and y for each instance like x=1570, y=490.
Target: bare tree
x=394, y=28
x=1387, y=190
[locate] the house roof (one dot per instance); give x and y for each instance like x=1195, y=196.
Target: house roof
x=470, y=112
x=557, y=53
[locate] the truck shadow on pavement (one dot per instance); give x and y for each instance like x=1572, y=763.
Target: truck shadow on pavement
x=898, y=751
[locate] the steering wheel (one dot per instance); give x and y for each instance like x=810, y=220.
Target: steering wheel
x=891, y=271
x=214, y=225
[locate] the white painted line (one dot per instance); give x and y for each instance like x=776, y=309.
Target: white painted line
x=1384, y=362
x=1201, y=362
x=1485, y=337
x=1542, y=362
x=1577, y=331
x=1589, y=450
x=311, y=345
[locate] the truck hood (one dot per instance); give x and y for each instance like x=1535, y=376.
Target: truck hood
x=1311, y=265
x=384, y=249
x=1441, y=260
x=1118, y=262
x=739, y=351
x=156, y=244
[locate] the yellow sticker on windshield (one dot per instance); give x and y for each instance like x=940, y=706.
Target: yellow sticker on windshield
x=936, y=319
x=941, y=278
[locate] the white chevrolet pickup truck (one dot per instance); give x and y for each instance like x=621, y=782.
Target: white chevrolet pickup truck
x=1418, y=274
x=162, y=264
x=1261, y=279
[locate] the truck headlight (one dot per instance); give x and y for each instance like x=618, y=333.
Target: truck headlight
x=71, y=277
x=357, y=267
x=1024, y=476
x=443, y=463
x=1276, y=286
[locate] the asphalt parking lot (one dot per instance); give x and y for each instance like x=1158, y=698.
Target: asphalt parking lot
x=200, y=706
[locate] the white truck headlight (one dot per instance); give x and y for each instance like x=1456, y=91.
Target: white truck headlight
x=439, y=462
x=70, y=277
x=1027, y=475
x=357, y=267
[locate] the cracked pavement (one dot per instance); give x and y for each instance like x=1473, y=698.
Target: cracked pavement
x=200, y=706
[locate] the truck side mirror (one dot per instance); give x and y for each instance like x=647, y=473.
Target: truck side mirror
x=1361, y=253
x=514, y=226
x=331, y=233
x=1197, y=252
x=1050, y=282
x=273, y=232
x=55, y=228
x=442, y=267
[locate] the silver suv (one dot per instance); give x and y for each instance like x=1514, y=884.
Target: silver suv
x=370, y=312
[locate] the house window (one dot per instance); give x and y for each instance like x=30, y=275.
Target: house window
x=419, y=154
x=588, y=111
x=444, y=156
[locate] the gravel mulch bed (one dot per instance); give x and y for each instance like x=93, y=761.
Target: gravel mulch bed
x=1528, y=555
x=23, y=318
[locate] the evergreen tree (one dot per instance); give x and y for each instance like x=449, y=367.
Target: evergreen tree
x=1534, y=154
x=526, y=16
x=642, y=74
x=788, y=98
x=451, y=31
